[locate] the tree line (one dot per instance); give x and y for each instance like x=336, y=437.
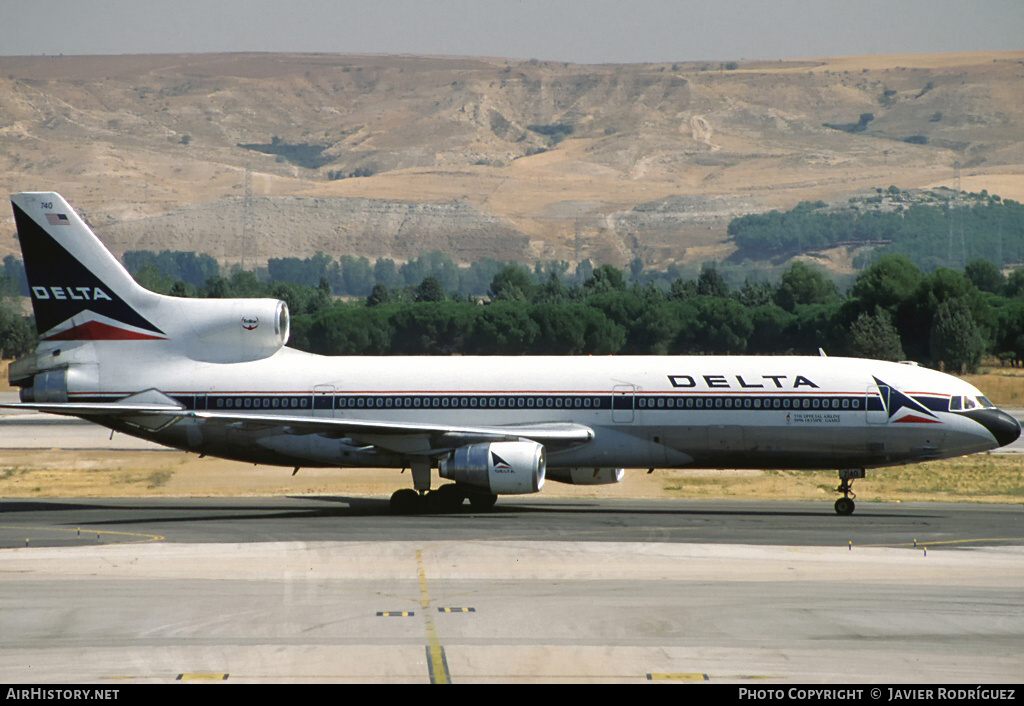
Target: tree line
x=894, y=310
x=925, y=227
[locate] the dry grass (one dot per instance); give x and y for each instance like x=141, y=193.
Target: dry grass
x=1004, y=386
x=41, y=474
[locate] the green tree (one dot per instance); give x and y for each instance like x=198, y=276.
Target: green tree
x=551, y=292
x=771, y=330
x=149, y=277
x=385, y=272
x=502, y=328
x=605, y=278
x=874, y=336
x=955, y=342
x=217, y=287
x=889, y=282
x=803, y=284
x=985, y=275
x=347, y=329
x=429, y=290
x=356, y=276
x=379, y=295
x=711, y=283
x=245, y=284
x=681, y=289
x=1015, y=283
x=430, y=328
x=754, y=294
x=512, y=283
x=17, y=337
x=575, y=329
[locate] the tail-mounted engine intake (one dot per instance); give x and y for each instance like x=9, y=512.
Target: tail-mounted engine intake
x=500, y=468
x=237, y=330
x=586, y=476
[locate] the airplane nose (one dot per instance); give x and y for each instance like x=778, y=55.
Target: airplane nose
x=1003, y=427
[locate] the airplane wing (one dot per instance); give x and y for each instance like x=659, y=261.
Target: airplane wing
x=402, y=437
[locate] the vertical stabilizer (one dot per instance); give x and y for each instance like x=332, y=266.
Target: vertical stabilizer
x=79, y=290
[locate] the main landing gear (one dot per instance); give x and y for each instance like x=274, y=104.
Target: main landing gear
x=448, y=498
x=845, y=504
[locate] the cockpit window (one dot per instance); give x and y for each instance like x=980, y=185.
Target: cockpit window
x=959, y=403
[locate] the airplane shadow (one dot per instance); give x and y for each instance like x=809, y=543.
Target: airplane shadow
x=173, y=510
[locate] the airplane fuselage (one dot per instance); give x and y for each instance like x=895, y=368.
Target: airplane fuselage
x=646, y=411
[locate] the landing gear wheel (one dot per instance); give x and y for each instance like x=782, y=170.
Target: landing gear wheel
x=448, y=498
x=406, y=502
x=845, y=506
x=481, y=502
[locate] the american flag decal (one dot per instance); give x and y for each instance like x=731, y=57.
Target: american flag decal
x=57, y=219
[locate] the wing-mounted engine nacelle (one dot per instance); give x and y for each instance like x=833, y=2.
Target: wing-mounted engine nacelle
x=501, y=467
x=586, y=476
x=237, y=330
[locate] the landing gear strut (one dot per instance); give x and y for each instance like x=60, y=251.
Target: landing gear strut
x=845, y=504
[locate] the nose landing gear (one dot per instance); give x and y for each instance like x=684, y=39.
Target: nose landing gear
x=845, y=504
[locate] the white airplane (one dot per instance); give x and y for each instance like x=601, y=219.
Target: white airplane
x=214, y=376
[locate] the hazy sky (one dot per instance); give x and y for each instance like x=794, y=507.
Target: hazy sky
x=583, y=31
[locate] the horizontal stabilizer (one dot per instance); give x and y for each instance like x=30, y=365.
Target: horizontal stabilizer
x=146, y=402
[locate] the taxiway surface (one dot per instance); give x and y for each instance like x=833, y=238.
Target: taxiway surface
x=336, y=589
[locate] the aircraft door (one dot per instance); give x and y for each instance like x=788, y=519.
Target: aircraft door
x=623, y=402
x=876, y=404
x=323, y=401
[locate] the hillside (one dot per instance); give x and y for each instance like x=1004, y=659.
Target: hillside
x=394, y=155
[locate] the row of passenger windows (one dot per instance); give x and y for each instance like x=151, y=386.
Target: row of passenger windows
x=548, y=402
x=750, y=402
x=262, y=402
x=541, y=402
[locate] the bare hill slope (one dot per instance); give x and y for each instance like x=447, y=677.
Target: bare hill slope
x=395, y=155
